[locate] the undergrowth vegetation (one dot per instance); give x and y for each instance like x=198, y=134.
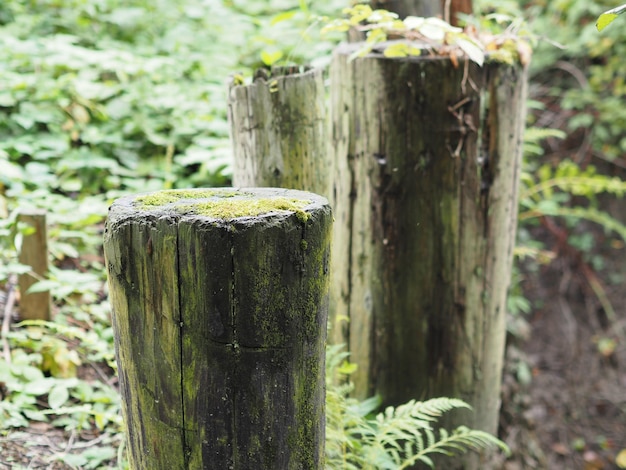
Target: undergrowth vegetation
x=103, y=98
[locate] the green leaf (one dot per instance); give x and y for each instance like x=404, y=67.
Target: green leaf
x=270, y=58
x=284, y=16
x=73, y=460
x=347, y=368
x=605, y=19
x=58, y=396
x=473, y=51
x=401, y=50
x=609, y=16
x=43, y=286
x=41, y=386
x=97, y=455
x=339, y=26
x=396, y=50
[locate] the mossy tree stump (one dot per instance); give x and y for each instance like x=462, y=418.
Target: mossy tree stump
x=427, y=167
x=219, y=311
x=278, y=128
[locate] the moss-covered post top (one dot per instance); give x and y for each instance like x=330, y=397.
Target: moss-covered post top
x=221, y=204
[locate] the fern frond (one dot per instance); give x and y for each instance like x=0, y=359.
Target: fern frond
x=537, y=134
x=579, y=186
x=594, y=215
x=534, y=135
x=460, y=441
x=395, y=438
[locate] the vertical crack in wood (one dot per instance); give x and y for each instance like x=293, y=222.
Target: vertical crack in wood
x=348, y=301
x=352, y=195
x=181, y=325
x=234, y=346
x=487, y=149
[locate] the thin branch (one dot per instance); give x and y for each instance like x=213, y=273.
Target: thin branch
x=92, y=442
x=446, y=11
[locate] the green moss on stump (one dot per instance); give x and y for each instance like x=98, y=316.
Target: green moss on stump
x=222, y=204
x=169, y=196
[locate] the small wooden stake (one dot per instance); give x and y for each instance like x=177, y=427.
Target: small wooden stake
x=34, y=253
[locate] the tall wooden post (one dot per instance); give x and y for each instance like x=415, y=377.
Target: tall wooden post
x=427, y=170
x=279, y=131
x=34, y=253
x=219, y=311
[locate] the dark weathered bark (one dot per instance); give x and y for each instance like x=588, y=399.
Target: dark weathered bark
x=34, y=253
x=278, y=129
x=427, y=169
x=220, y=325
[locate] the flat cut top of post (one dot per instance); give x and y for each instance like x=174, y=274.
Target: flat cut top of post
x=219, y=204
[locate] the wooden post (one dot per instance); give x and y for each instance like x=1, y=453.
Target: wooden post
x=428, y=159
x=446, y=9
x=404, y=8
x=34, y=253
x=219, y=311
x=278, y=130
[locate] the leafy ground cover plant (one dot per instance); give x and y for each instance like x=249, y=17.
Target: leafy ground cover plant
x=430, y=35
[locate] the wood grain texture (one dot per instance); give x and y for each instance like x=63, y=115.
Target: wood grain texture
x=220, y=328
x=34, y=253
x=429, y=160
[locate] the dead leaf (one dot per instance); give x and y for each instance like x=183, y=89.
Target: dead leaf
x=524, y=51
x=560, y=448
x=592, y=461
x=454, y=59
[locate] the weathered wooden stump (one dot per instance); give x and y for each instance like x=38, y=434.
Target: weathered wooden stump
x=279, y=132
x=427, y=168
x=34, y=253
x=219, y=310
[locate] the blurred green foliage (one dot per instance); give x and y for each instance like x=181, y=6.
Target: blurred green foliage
x=100, y=96
x=577, y=68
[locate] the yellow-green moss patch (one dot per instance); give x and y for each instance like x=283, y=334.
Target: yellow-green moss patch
x=222, y=204
x=243, y=207
x=161, y=198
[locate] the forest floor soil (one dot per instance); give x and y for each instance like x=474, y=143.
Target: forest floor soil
x=564, y=389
